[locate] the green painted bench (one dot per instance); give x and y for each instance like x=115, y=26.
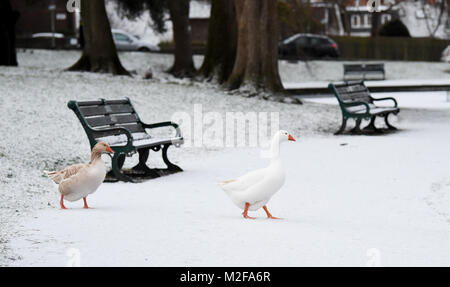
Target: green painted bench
x=117, y=123
x=361, y=71
x=356, y=102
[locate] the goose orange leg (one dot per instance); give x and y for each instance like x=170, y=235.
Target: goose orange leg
x=268, y=213
x=62, y=202
x=85, y=203
x=245, y=213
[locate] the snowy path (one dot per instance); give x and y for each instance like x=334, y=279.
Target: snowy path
x=334, y=210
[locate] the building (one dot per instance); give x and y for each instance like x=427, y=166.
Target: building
x=37, y=17
x=360, y=18
x=44, y=16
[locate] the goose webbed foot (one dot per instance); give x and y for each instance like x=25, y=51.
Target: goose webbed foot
x=245, y=213
x=268, y=213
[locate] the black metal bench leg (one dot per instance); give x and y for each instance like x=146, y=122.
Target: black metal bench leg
x=142, y=165
x=386, y=120
x=117, y=163
x=121, y=160
x=170, y=166
x=357, y=128
x=371, y=126
x=342, y=128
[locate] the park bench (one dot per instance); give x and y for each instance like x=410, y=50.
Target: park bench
x=355, y=102
x=360, y=71
x=117, y=123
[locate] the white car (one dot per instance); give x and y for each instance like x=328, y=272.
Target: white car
x=445, y=57
x=126, y=42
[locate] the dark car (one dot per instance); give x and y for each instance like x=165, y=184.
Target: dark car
x=307, y=46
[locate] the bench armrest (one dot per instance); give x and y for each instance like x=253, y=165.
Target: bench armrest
x=164, y=124
x=353, y=104
x=119, y=130
x=387, y=98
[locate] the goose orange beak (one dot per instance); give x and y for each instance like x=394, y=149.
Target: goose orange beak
x=109, y=149
x=291, y=138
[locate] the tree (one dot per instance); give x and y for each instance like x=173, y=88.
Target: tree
x=256, y=64
x=341, y=4
x=179, y=15
x=394, y=28
x=99, y=53
x=297, y=17
x=222, y=42
x=183, y=65
x=434, y=15
x=8, y=20
x=376, y=15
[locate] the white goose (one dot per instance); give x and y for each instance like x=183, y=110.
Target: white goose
x=79, y=180
x=254, y=189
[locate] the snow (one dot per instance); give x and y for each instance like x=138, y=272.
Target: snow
x=345, y=197
x=334, y=210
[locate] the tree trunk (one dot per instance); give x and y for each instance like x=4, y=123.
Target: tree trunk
x=99, y=53
x=8, y=19
x=375, y=21
x=256, y=65
x=222, y=41
x=179, y=14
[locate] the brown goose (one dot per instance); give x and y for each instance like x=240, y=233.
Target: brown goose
x=79, y=180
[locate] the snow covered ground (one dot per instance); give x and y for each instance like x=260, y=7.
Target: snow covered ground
x=347, y=201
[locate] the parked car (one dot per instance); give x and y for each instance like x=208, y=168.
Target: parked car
x=445, y=57
x=304, y=46
x=46, y=40
x=128, y=42
x=48, y=35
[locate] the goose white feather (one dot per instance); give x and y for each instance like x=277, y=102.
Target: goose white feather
x=257, y=187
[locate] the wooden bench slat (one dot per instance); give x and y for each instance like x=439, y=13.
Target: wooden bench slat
x=102, y=102
x=134, y=128
x=105, y=109
x=111, y=120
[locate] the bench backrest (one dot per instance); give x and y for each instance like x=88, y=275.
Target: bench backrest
x=363, y=68
x=351, y=92
x=103, y=114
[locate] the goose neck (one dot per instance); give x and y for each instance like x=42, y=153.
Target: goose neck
x=275, y=148
x=95, y=155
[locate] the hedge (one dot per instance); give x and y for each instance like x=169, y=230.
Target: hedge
x=390, y=48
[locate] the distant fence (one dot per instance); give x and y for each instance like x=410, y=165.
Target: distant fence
x=390, y=48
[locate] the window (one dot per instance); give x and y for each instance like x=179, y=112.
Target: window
x=320, y=41
x=355, y=21
x=301, y=42
x=366, y=21
x=314, y=41
x=121, y=37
